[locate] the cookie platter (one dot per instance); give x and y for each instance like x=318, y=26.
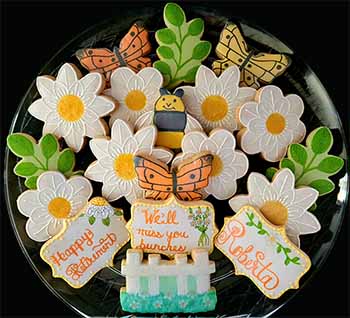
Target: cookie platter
x=241, y=198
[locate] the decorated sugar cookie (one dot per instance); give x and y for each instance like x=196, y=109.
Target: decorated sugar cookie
x=311, y=164
x=162, y=286
x=185, y=181
x=262, y=252
x=271, y=123
x=71, y=107
x=171, y=227
x=55, y=200
x=180, y=49
x=40, y=157
x=115, y=160
x=132, y=52
x=214, y=101
x=171, y=119
x=256, y=67
x=86, y=243
x=135, y=93
x=228, y=164
x=280, y=203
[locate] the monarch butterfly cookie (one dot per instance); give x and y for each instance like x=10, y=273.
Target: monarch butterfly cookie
x=40, y=157
x=214, y=101
x=87, y=243
x=256, y=67
x=271, y=123
x=132, y=52
x=185, y=182
x=114, y=166
x=71, y=106
x=55, y=200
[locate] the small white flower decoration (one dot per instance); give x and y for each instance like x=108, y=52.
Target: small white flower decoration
x=214, y=100
x=228, y=164
x=281, y=203
x=71, y=106
x=56, y=199
x=115, y=160
x=271, y=124
x=136, y=93
x=99, y=208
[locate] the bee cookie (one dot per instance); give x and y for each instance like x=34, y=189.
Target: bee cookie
x=271, y=123
x=40, y=157
x=132, y=52
x=55, y=200
x=214, y=101
x=87, y=243
x=71, y=106
x=154, y=285
x=115, y=167
x=170, y=118
x=256, y=67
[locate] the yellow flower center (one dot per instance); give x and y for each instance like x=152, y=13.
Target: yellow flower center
x=59, y=208
x=99, y=201
x=214, y=108
x=275, y=212
x=124, y=166
x=135, y=100
x=275, y=123
x=216, y=166
x=70, y=108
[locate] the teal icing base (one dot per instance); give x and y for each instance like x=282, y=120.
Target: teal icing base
x=162, y=303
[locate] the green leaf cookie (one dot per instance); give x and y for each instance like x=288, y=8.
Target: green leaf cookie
x=311, y=164
x=180, y=49
x=40, y=157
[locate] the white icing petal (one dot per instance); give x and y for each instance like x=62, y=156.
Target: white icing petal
x=39, y=109
x=120, y=131
x=37, y=231
x=192, y=141
x=50, y=180
x=92, y=82
x=95, y=172
x=27, y=202
x=44, y=85
x=305, y=197
x=162, y=154
x=67, y=75
x=239, y=201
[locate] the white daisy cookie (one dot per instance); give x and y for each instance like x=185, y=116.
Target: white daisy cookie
x=56, y=199
x=281, y=203
x=71, y=107
x=228, y=164
x=136, y=93
x=115, y=160
x=214, y=101
x=271, y=123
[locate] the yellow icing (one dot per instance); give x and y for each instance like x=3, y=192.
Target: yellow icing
x=170, y=139
x=214, y=108
x=275, y=123
x=70, y=108
x=99, y=201
x=170, y=103
x=124, y=166
x=275, y=212
x=217, y=166
x=135, y=100
x=59, y=207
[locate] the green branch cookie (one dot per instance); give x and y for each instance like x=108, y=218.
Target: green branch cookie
x=39, y=157
x=180, y=49
x=311, y=164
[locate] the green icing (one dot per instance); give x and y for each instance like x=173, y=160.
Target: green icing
x=144, y=285
x=163, y=303
x=191, y=284
x=311, y=164
x=168, y=285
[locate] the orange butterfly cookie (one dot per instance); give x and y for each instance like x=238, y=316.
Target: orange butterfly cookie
x=255, y=66
x=132, y=50
x=185, y=182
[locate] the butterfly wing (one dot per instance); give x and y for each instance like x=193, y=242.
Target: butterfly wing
x=103, y=61
x=154, y=177
x=231, y=49
x=134, y=46
x=192, y=176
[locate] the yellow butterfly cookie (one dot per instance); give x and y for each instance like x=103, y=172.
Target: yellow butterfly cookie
x=255, y=66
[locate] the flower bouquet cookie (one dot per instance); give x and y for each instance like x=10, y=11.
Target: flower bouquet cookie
x=170, y=160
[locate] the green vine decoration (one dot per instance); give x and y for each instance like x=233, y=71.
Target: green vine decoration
x=258, y=225
x=286, y=251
